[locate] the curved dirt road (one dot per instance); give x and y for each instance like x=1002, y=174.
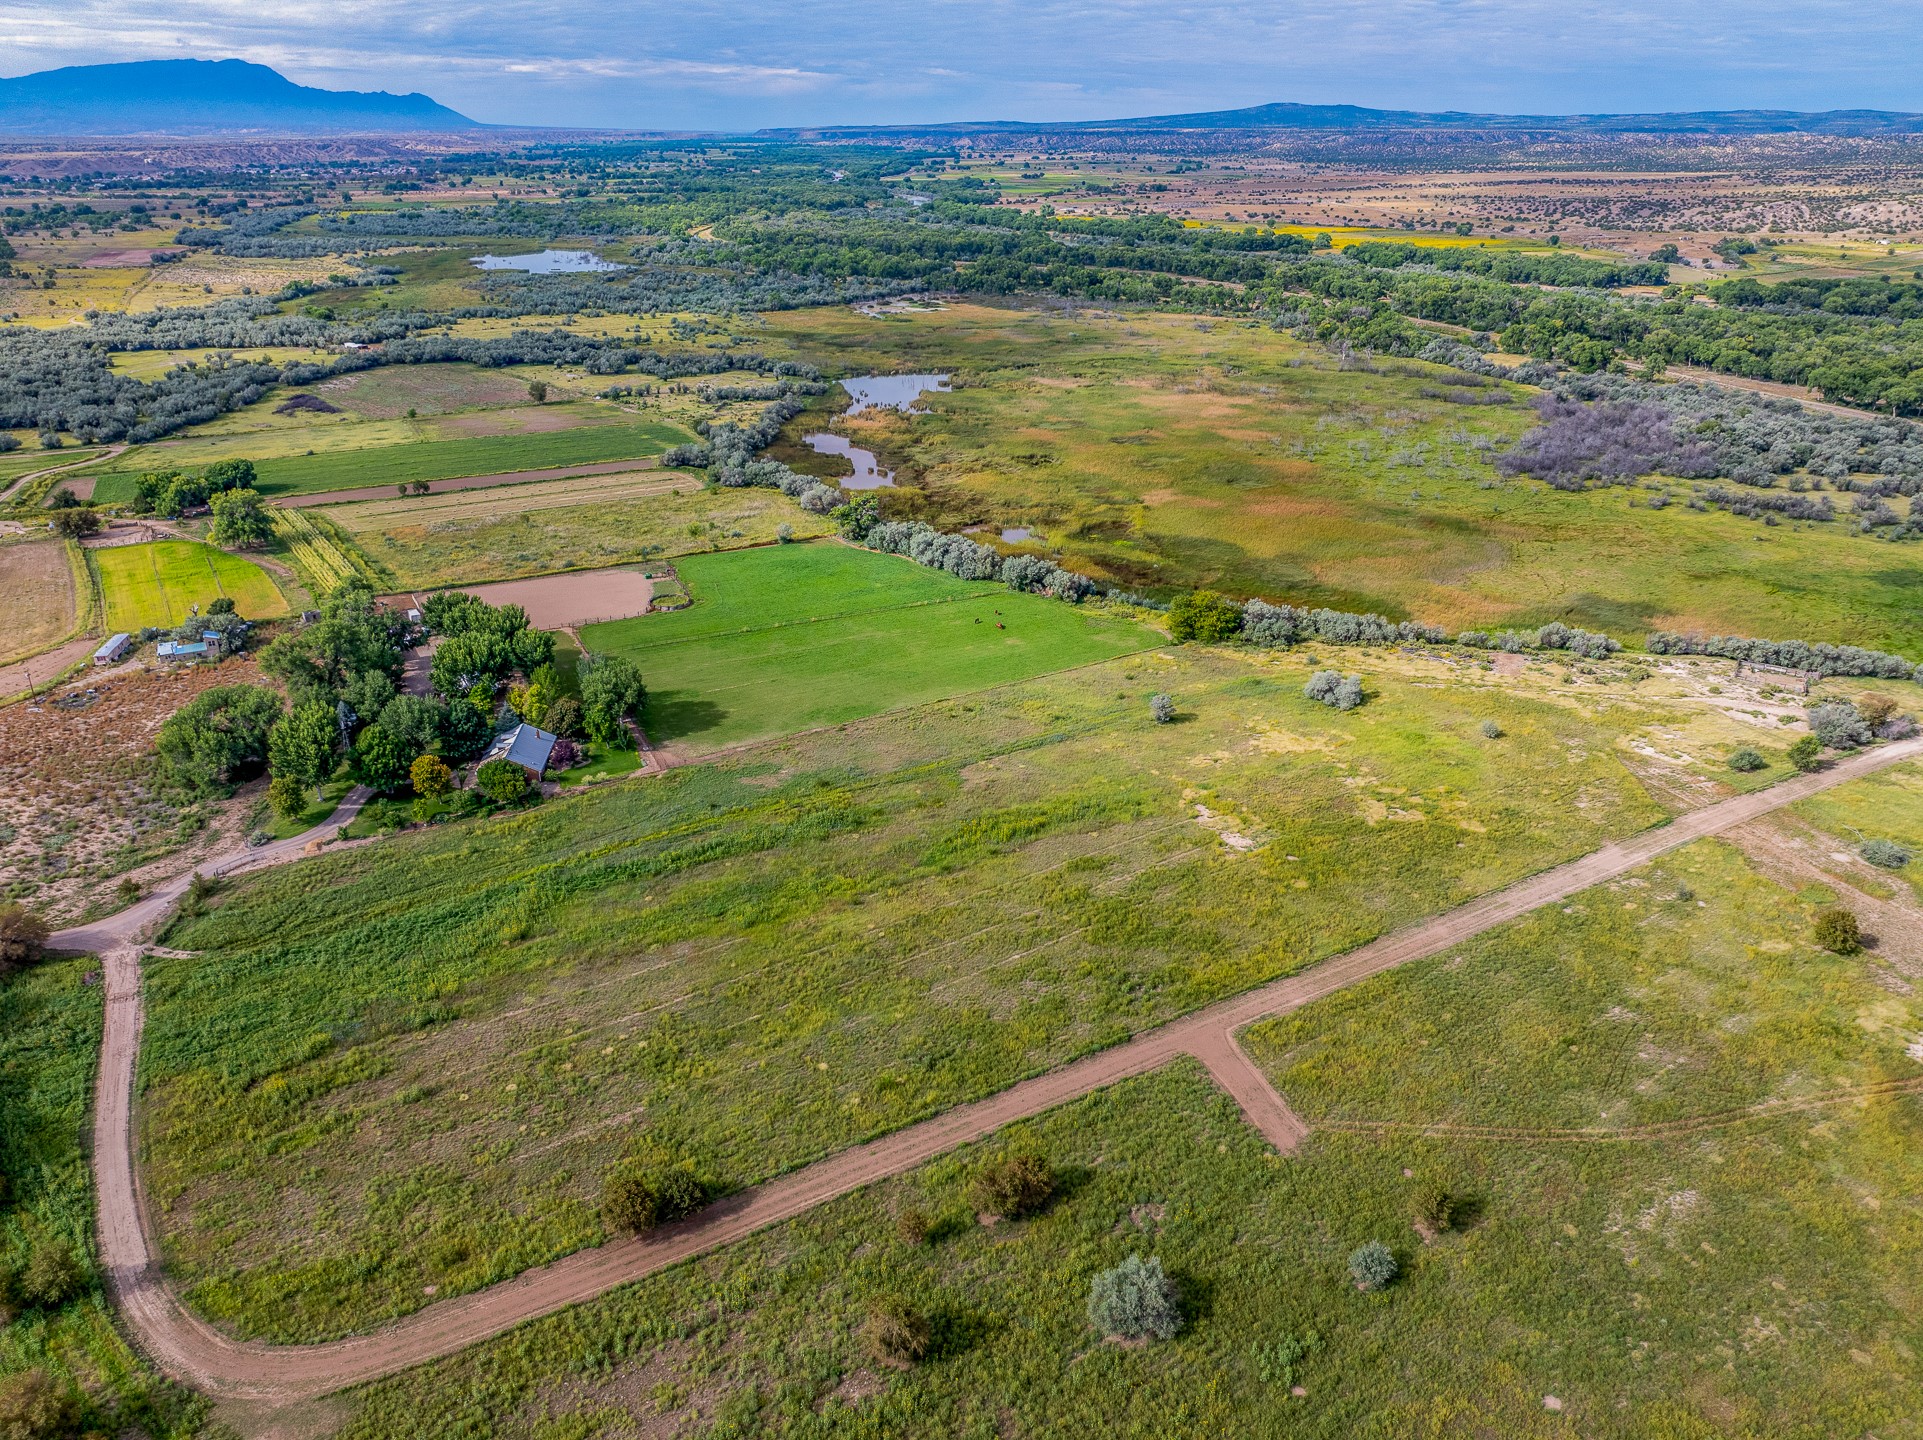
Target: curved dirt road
x=193, y=1352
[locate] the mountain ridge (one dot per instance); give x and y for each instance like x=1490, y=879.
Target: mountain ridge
x=172, y=97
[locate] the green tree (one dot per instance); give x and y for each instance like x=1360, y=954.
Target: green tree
x=218, y=733
x=1807, y=754
x=430, y=777
x=35, y=1406
x=288, y=797
x=1204, y=616
x=610, y=692
x=241, y=521
x=53, y=1276
x=76, y=523
x=301, y=747
x=537, y=391
x=382, y=758
x=502, y=781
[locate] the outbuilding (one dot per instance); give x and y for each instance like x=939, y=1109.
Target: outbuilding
x=181, y=649
x=115, y=648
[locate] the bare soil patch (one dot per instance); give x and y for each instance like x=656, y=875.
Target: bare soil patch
x=390, y=392
x=583, y=597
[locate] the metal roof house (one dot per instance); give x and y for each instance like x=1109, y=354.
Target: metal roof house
x=180, y=649
x=114, y=647
x=526, y=745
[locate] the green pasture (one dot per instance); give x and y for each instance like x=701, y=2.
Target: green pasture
x=1161, y=452
x=408, y=1065
x=798, y=636
x=434, y=459
x=156, y=584
x=50, y=1020
x=1748, y=1279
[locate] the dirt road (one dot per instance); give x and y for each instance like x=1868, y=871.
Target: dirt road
x=193, y=1352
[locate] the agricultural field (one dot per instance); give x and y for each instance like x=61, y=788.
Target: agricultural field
x=805, y=636
x=43, y=582
x=1010, y=880
x=1164, y=452
x=1742, y=1272
x=321, y=555
x=156, y=584
x=551, y=438
x=506, y=532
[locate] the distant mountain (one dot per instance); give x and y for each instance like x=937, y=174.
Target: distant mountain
x=1358, y=117
x=174, y=97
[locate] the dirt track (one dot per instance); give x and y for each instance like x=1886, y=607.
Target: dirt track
x=194, y=1353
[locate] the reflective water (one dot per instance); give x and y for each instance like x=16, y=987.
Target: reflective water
x=868, y=475
x=1012, y=533
x=547, y=262
x=890, y=392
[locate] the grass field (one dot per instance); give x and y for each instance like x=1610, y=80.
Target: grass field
x=431, y=459
x=930, y=904
x=799, y=636
x=467, y=537
x=49, y=1047
x=1745, y=1280
x=1165, y=452
x=156, y=584
x=37, y=577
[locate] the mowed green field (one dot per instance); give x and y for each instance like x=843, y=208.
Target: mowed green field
x=1748, y=1277
x=156, y=584
x=798, y=636
x=439, y=459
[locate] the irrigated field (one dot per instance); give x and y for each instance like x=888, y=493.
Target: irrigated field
x=1744, y=1274
x=501, y=533
x=424, y=460
x=37, y=578
x=156, y=584
x=1167, y=452
x=407, y=1066
x=790, y=638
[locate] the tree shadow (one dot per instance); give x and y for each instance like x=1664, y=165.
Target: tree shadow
x=676, y=714
x=954, y=1330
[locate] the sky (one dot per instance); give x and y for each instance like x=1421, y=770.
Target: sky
x=728, y=65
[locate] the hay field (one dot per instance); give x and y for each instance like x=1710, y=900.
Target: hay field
x=42, y=595
x=155, y=584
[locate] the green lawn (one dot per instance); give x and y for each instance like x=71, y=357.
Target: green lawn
x=799, y=636
x=408, y=1065
x=155, y=584
x=387, y=465
x=49, y=1048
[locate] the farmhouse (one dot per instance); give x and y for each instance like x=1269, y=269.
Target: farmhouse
x=527, y=746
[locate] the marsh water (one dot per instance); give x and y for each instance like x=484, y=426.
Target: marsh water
x=547, y=262
x=868, y=475
x=890, y=392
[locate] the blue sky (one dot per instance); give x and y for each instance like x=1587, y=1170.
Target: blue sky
x=721, y=64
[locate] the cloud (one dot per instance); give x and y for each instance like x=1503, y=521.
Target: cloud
x=725, y=64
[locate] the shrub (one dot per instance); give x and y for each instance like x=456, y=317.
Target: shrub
x=1434, y=1207
x=1161, y=709
x=1838, y=931
x=565, y=756
x=1492, y=730
x=637, y=1198
x=288, y=796
x=914, y=1225
x=1885, y=854
x=22, y=934
x=897, y=1333
x=1837, y=725
x=1013, y=1186
x=1338, y=692
x=34, y=1406
x=1746, y=760
x=1204, y=616
x=1134, y=1301
x=1372, y=1266
x=52, y=1277
x=1807, y=754
x=502, y=781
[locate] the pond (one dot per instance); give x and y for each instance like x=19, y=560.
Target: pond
x=1013, y=533
x=548, y=262
x=890, y=392
x=868, y=475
